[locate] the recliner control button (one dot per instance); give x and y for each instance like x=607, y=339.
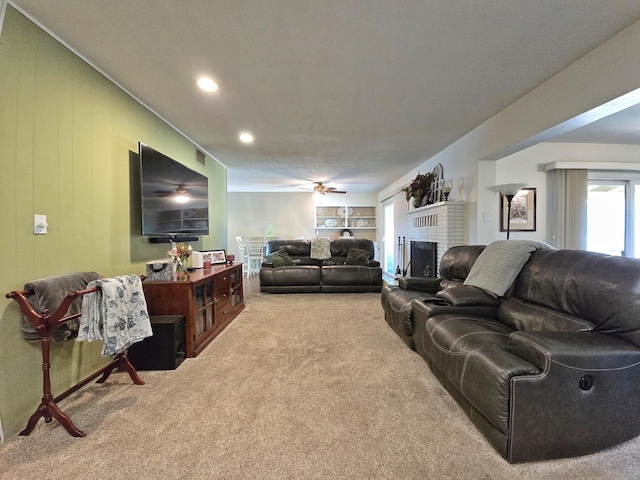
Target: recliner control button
x=586, y=382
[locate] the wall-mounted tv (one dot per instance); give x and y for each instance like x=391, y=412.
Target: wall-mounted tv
x=175, y=199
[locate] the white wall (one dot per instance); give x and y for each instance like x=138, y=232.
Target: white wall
x=527, y=166
x=603, y=82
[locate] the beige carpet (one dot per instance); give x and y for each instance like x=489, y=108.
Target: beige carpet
x=308, y=386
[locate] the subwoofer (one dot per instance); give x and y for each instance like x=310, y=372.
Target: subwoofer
x=165, y=349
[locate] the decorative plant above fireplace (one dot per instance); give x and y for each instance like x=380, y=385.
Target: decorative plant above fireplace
x=419, y=189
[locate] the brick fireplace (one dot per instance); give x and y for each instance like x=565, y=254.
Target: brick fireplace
x=442, y=223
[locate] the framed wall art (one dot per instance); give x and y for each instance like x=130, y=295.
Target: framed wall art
x=523, y=211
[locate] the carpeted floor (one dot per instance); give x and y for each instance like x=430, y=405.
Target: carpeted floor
x=307, y=386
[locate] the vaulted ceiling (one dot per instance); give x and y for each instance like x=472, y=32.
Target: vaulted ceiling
x=355, y=93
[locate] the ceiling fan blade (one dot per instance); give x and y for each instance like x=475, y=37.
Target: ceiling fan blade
x=322, y=189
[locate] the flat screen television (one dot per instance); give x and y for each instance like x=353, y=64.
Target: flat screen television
x=175, y=199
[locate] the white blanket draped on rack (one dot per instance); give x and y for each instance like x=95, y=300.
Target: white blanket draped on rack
x=116, y=314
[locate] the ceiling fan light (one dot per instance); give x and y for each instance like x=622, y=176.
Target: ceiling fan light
x=181, y=198
x=317, y=197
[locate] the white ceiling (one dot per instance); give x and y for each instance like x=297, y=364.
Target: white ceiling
x=355, y=93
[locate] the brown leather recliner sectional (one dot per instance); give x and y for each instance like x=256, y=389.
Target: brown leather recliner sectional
x=331, y=275
x=554, y=371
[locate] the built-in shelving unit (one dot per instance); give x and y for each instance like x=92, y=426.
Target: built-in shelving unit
x=335, y=217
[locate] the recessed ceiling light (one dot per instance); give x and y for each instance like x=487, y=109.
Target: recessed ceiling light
x=207, y=84
x=246, y=137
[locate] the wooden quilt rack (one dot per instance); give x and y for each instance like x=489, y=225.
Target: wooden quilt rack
x=44, y=323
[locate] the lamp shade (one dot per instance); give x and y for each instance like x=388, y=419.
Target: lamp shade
x=509, y=188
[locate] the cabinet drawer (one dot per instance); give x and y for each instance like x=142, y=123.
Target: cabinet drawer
x=223, y=312
x=222, y=287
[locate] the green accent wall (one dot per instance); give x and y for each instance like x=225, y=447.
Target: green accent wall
x=68, y=150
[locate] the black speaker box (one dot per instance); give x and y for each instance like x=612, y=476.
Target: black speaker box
x=165, y=349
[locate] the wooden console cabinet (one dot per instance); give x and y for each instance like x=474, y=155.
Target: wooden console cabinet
x=209, y=299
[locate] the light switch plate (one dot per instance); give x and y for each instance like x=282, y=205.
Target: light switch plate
x=40, y=225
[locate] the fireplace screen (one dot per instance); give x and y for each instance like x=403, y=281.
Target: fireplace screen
x=423, y=259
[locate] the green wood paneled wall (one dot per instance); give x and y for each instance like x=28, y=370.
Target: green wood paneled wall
x=68, y=150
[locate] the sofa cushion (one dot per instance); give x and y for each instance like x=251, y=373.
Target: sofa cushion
x=295, y=248
x=500, y=263
x=449, y=339
x=307, y=261
x=357, y=256
x=321, y=248
x=298, y=278
x=470, y=352
x=340, y=246
x=280, y=258
x=530, y=317
x=351, y=275
x=600, y=288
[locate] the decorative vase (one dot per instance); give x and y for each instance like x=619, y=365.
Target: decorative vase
x=176, y=269
x=416, y=202
x=181, y=270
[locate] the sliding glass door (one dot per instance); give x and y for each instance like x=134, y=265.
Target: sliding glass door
x=613, y=217
x=388, y=259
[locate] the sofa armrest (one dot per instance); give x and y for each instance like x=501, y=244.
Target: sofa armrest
x=584, y=399
x=373, y=263
x=266, y=264
x=575, y=350
x=420, y=284
x=461, y=295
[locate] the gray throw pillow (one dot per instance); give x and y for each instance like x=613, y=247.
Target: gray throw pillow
x=357, y=256
x=280, y=258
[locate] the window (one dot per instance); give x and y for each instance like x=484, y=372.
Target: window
x=613, y=215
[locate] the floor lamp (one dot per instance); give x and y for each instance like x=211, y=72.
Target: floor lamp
x=509, y=190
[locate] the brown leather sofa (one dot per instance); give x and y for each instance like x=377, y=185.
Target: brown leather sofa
x=332, y=275
x=554, y=372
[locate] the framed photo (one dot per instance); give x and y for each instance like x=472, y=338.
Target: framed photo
x=523, y=212
x=216, y=256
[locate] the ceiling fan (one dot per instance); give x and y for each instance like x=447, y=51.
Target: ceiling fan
x=323, y=190
x=179, y=194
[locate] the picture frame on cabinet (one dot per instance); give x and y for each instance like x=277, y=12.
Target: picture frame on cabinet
x=523, y=211
x=215, y=256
